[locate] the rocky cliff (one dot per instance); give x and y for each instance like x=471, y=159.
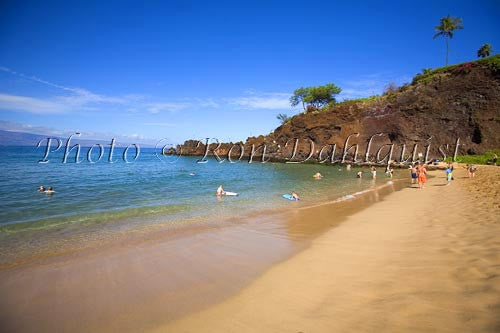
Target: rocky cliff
x=437, y=108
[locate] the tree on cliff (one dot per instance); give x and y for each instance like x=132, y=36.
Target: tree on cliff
x=299, y=96
x=446, y=28
x=484, y=51
x=315, y=96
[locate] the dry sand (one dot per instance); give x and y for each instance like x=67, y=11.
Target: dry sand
x=419, y=261
x=411, y=260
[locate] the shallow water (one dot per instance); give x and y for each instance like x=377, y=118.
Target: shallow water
x=101, y=201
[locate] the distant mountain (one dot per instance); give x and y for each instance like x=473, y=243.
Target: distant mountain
x=8, y=138
x=19, y=139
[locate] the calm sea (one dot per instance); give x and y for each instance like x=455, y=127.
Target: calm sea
x=100, y=201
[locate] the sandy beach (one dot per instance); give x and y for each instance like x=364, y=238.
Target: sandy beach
x=243, y=167
x=420, y=261
x=389, y=260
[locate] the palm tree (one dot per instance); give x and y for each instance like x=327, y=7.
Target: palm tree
x=446, y=28
x=484, y=51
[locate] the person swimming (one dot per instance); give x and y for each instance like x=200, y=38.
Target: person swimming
x=50, y=190
x=359, y=174
x=41, y=188
x=192, y=174
x=318, y=175
x=295, y=195
x=220, y=191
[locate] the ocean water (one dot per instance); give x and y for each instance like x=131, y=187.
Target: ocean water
x=99, y=201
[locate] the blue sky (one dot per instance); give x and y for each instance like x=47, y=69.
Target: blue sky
x=185, y=69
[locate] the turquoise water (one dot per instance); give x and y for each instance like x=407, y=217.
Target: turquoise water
x=102, y=200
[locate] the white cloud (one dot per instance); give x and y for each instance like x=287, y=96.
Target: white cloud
x=78, y=99
x=85, y=135
x=210, y=103
x=271, y=101
x=28, y=128
x=171, y=107
x=31, y=104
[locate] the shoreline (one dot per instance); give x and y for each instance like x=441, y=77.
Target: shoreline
x=215, y=261
x=162, y=230
x=431, y=267
x=206, y=280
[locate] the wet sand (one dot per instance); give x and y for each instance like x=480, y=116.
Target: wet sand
x=420, y=261
x=375, y=263
x=151, y=278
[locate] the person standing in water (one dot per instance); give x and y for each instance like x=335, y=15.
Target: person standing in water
x=390, y=172
x=413, y=173
x=359, y=174
x=422, y=176
x=220, y=191
x=374, y=172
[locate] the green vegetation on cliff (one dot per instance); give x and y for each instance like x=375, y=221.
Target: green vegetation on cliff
x=486, y=158
x=315, y=97
x=328, y=103
x=492, y=63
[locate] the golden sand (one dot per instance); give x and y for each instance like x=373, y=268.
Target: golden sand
x=420, y=261
x=411, y=260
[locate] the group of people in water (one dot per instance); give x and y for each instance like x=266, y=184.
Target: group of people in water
x=390, y=172
x=418, y=174
x=48, y=190
x=373, y=171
